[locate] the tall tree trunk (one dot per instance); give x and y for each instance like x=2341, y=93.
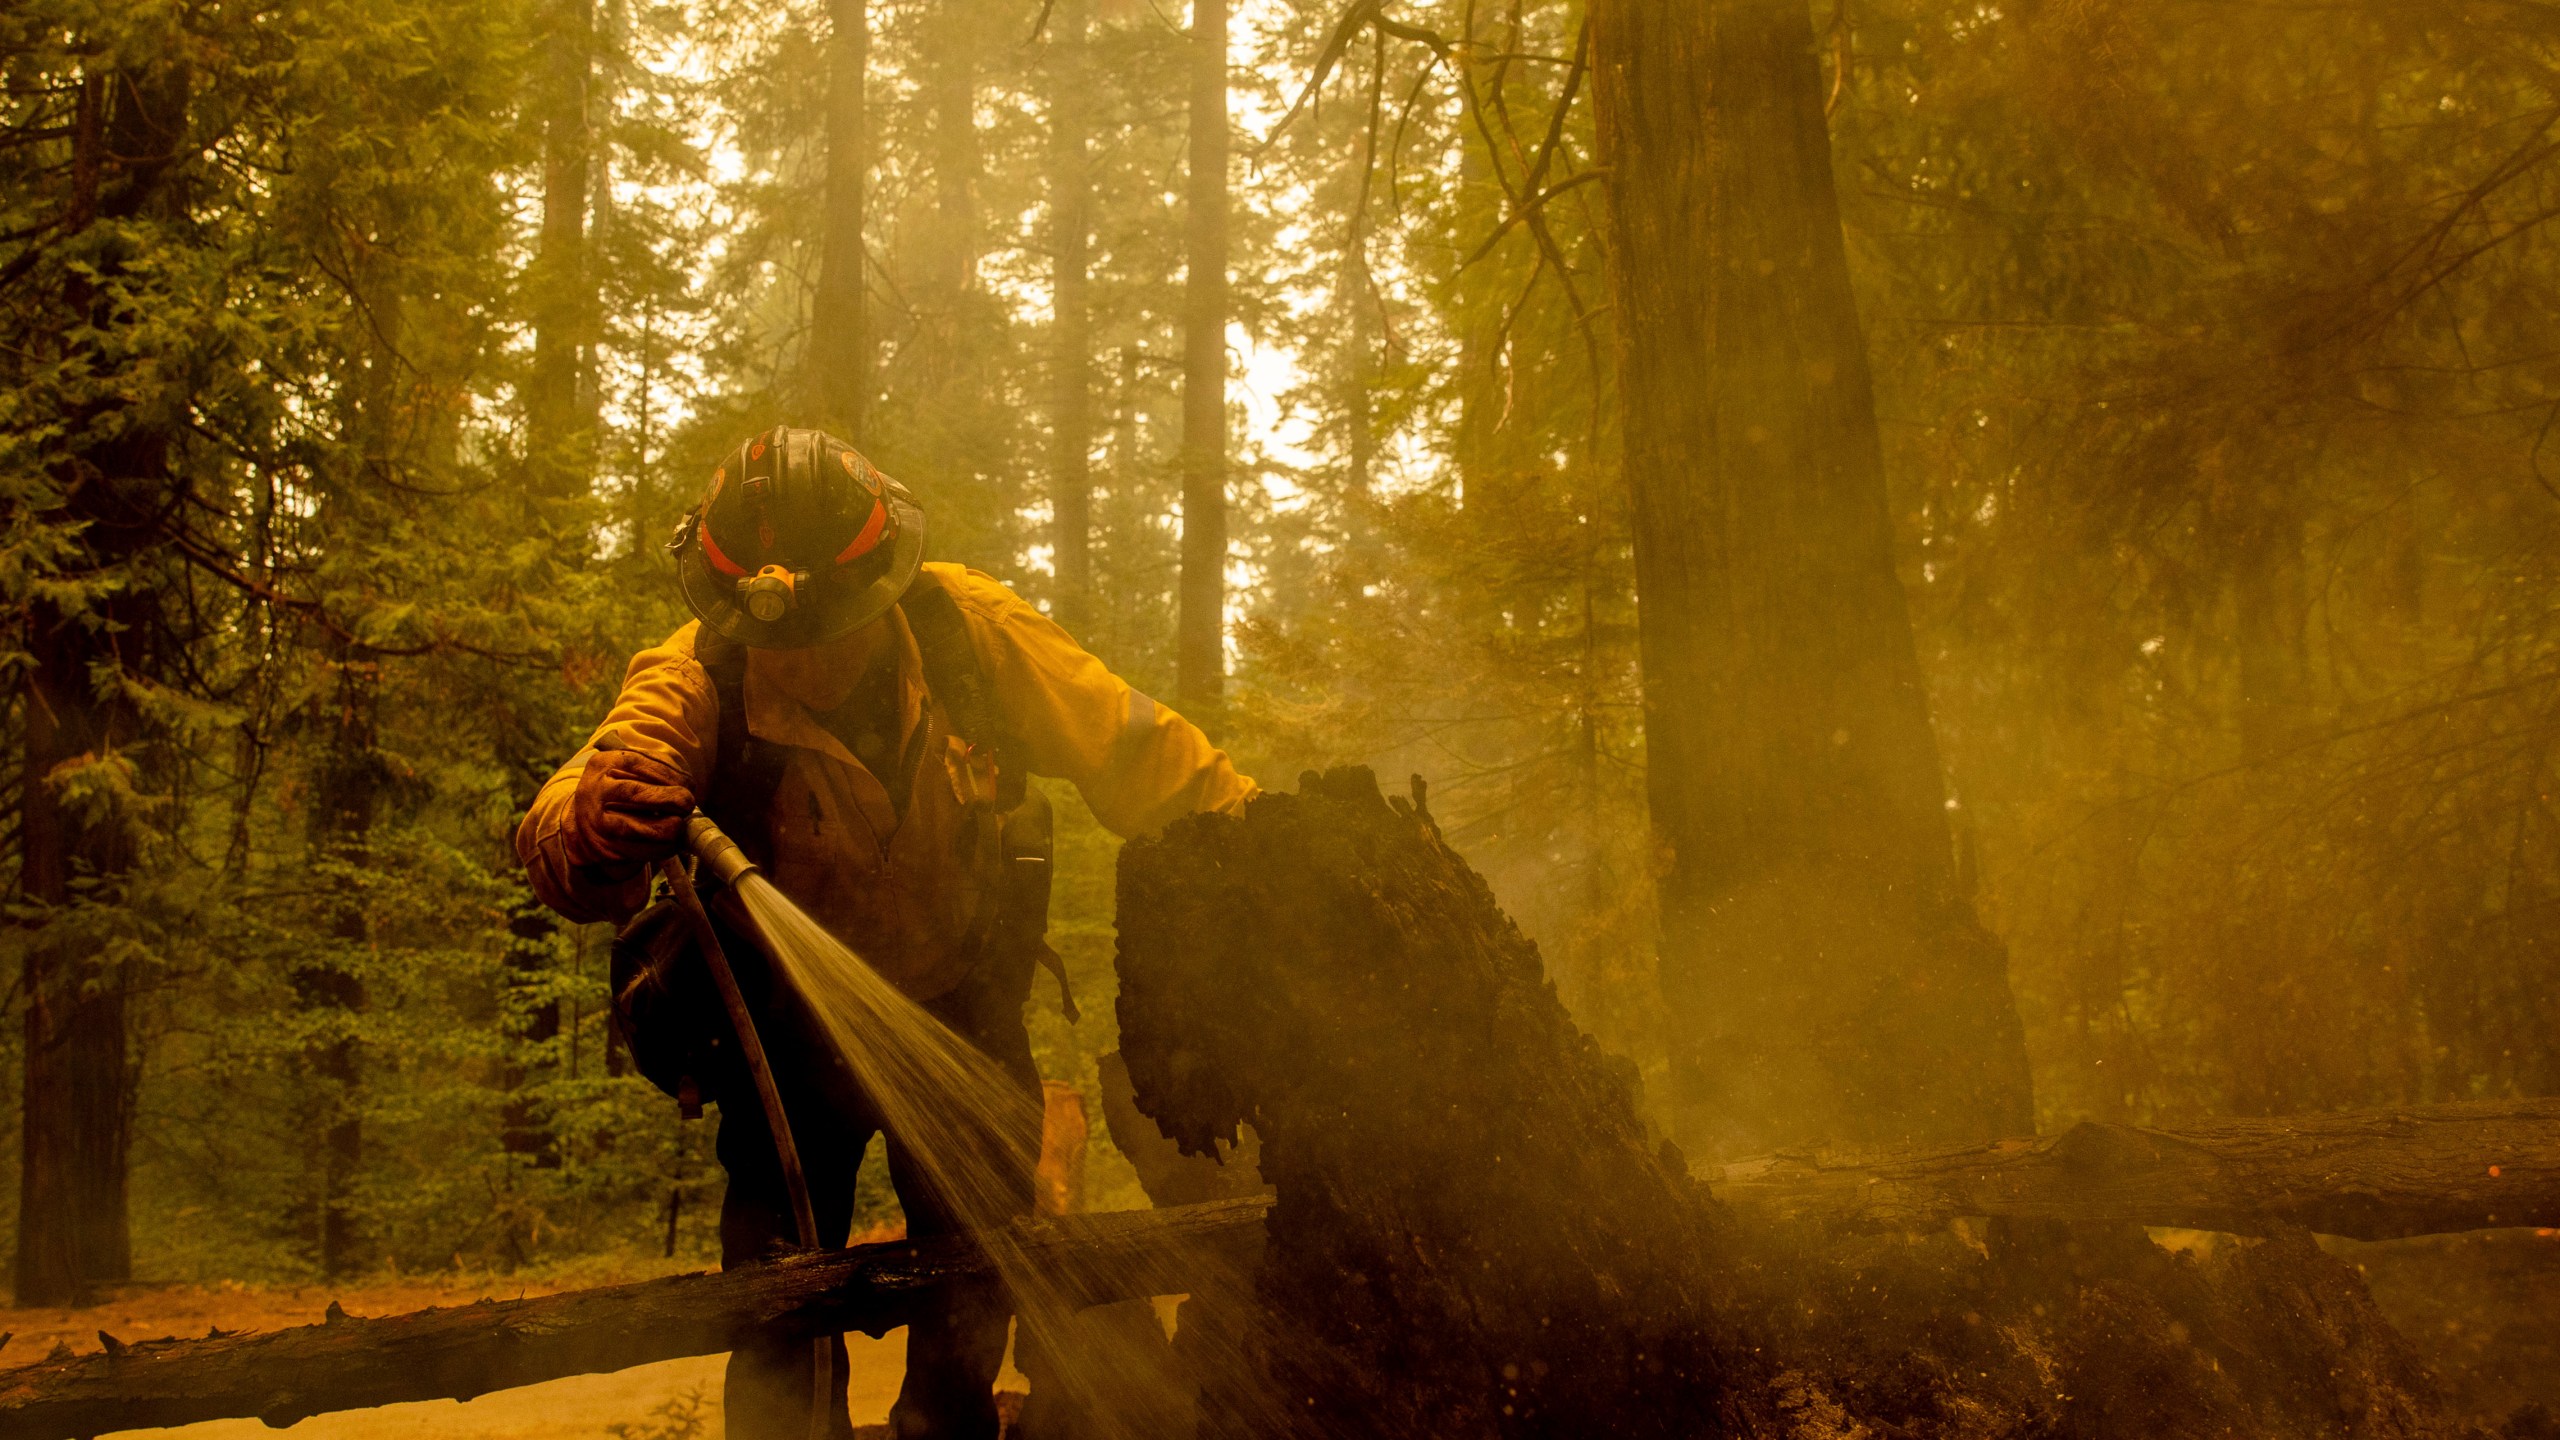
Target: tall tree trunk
x=1360, y=332
x=342, y=819
x=1200, y=662
x=1124, y=419
x=2259, y=521
x=840, y=340
x=951, y=262
x=75, y=1137
x=1071, y=321
x=558, y=407
x=347, y=785
x=941, y=386
x=73, y=1230
x=1822, y=974
x=1481, y=377
x=560, y=415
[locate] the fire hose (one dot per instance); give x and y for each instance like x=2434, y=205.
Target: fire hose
x=721, y=857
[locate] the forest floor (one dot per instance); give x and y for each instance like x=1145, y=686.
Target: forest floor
x=2484, y=1309
x=673, y=1400
x=2481, y=1308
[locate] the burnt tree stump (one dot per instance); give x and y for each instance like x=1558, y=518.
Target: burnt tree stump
x=1474, y=1234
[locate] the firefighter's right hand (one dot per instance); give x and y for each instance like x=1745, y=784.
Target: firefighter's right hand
x=629, y=810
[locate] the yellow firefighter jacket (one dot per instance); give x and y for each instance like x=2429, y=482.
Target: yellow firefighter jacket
x=901, y=890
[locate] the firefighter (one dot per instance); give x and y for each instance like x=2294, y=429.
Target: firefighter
x=864, y=725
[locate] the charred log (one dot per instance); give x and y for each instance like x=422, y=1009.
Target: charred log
x=1467, y=1199
x=1475, y=1236
x=2372, y=1175
x=456, y=1353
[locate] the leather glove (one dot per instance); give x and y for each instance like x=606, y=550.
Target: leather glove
x=629, y=810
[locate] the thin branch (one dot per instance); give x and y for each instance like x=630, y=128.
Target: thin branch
x=1345, y=30
x=1573, y=76
x=1522, y=214
x=1395, y=147
x=318, y=614
x=1840, y=56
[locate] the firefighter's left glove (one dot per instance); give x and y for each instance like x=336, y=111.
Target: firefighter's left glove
x=628, y=812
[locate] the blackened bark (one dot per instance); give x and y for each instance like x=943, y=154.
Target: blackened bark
x=77, y=833
x=1429, y=1115
x=1474, y=1235
x=1823, y=974
x=1071, y=322
x=840, y=338
x=1200, y=657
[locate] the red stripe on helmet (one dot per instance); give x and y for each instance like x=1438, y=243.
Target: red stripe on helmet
x=870, y=536
x=711, y=551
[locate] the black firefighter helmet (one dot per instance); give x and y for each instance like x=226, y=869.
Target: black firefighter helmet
x=797, y=542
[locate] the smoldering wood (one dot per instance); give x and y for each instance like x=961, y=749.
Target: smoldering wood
x=2367, y=1175
x=1475, y=1235
x=458, y=1352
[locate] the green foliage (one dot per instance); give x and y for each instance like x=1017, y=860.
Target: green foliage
x=2211, y=341
x=683, y=1417
x=2216, y=346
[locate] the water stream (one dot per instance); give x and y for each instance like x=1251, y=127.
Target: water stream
x=973, y=1133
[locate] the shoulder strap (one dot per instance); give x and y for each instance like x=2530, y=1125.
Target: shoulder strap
x=958, y=679
x=744, y=774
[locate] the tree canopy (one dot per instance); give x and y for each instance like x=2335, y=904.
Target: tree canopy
x=356, y=361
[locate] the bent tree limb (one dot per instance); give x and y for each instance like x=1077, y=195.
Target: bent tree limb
x=456, y=1353
x=2370, y=1175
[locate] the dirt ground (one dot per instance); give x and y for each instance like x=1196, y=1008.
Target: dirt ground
x=2483, y=1309
x=647, y=1403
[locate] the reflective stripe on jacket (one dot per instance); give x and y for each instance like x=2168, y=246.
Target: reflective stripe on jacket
x=900, y=890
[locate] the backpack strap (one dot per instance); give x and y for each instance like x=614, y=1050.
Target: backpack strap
x=956, y=678
x=745, y=773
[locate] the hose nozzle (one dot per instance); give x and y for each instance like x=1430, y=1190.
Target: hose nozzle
x=718, y=853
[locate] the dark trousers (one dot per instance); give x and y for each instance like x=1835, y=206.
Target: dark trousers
x=955, y=1344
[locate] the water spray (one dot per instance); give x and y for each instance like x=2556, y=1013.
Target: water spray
x=971, y=1140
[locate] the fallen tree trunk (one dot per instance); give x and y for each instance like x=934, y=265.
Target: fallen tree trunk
x=348, y=1363
x=2371, y=1175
